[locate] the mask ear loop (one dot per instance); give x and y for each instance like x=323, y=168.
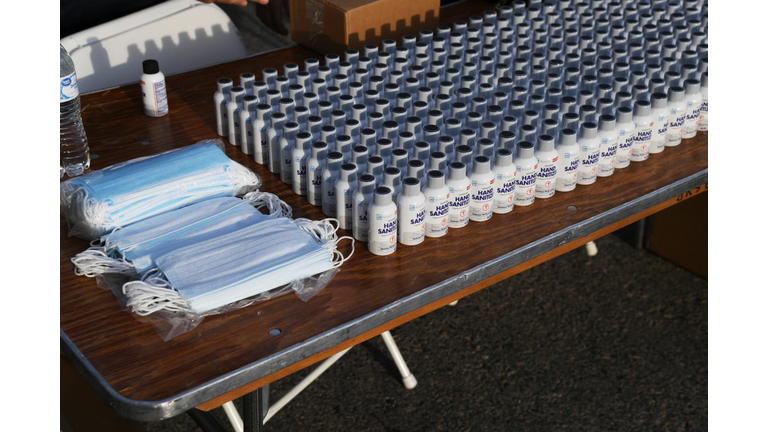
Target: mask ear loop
x=95, y=261
x=153, y=293
x=276, y=207
x=338, y=257
x=243, y=179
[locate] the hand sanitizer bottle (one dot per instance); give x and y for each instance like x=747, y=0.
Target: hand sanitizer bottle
x=609, y=143
x=506, y=173
x=344, y=189
x=436, y=213
x=411, y=207
x=481, y=190
x=626, y=128
x=547, y=177
x=315, y=165
x=382, y=222
x=589, y=145
x=527, y=171
x=458, y=187
x=567, y=161
x=363, y=198
x=660, y=115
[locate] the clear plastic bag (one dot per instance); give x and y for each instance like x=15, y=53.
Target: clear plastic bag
x=175, y=310
x=103, y=200
x=169, y=324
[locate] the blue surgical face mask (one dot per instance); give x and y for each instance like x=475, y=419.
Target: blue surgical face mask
x=132, y=250
x=100, y=201
x=202, y=278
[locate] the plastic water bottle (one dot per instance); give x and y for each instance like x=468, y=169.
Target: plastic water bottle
x=74, y=157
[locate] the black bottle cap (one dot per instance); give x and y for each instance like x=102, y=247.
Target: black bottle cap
x=150, y=67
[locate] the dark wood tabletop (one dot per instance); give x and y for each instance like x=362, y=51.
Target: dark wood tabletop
x=227, y=355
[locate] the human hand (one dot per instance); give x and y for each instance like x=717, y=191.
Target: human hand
x=234, y=2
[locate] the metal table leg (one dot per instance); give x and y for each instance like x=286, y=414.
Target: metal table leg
x=255, y=405
x=206, y=421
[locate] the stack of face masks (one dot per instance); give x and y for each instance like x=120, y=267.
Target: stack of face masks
x=202, y=278
x=100, y=201
x=132, y=250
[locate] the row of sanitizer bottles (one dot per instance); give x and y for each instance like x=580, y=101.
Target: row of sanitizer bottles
x=404, y=142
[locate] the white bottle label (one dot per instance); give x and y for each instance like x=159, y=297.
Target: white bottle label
x=360, y=222
x=659, y=134
x=382, y=236
x=704, y=114
x=329, y=197
x=641, y=144
x=458, y=212
x=68, y=88
x=567, y=175
x=437, y=215
x=624, y=150
x=546, y=180
x=481, y=200
x=525, y=188
x=504, y=196
x=300, y=176
x=161, y=99
x=607, y=161
x=588, y=167
x=691, y=120
x=675, y=127
x=411, y=224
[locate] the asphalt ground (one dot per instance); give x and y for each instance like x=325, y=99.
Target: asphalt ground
x=617, y=341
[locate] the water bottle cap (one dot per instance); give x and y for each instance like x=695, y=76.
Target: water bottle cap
x=457, y=171
x=568, y=136
x=367, y=179
x=435, y=179
x=607, y=122
x=150, y=66
x=411, y=186
x=624, y=114
x=546, y=142
x=318, y=147
x=382, y=196
x=524, y=150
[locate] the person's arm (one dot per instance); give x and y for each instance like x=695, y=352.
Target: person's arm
x=234, y=2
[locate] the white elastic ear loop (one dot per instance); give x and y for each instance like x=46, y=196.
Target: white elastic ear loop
x=338, y=257
x=95, y=261
x=243, y=179
x=153, y=293
x=324, y=230
x=273, y=203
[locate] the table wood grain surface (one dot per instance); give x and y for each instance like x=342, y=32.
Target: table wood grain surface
x=125, y=357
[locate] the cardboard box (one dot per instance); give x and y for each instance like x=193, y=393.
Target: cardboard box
x=331, y=26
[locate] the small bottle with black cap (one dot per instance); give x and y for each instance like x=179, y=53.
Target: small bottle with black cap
x=641, y=143
x=505, y=171
x=568, y=161
x=333, y=161
x=590, y=153
x=660, y=114
x=382, y=223
x=546, y=179
x=220, y=99
x=411, y=205
x=626, y=129
x=609, y=144
x=315, y=166
x=153, y=92
x=345, y=187
x=363, y=198
x=436, y=211
x=458, y=187
x=481, y=189
x=527, y=171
